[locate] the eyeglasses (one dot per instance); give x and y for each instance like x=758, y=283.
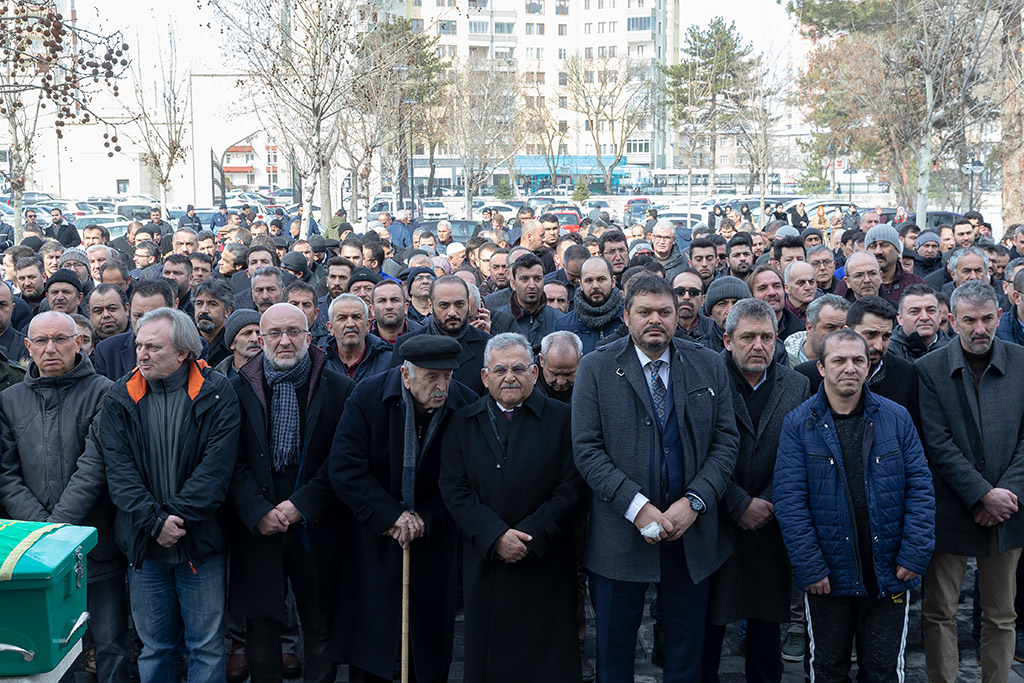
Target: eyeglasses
x=516, y=369
x=662, y=238
x=30, y=215
x=58, y=340
x=688, y=291
x=274, y=335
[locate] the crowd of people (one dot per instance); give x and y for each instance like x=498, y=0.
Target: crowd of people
x=783, y=425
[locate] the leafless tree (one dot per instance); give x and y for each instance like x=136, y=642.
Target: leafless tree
x=304, y=58
x=756, y=123
x=49, y=63
x=544, y=132
x=159, y=115
x=485, y=136
x=614, y=95
x=686, y=98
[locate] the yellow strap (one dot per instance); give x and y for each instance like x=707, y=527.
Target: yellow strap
x=7, y=568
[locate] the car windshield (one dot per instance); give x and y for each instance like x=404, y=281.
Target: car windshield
x=433, y=205
x=567, y=219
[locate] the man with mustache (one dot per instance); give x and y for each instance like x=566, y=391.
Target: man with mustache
x=352, y=351
x=115, y=357
x=754, y=583
x=654, y=436
x=450, y=301
x=212, y=301
x=597, y=308
x=766, y=284
x=689, y=289
x=108, y=310
x=527, y=303
x=384, y=465
x=853, y=498
x=972, y=393
x=241, y=335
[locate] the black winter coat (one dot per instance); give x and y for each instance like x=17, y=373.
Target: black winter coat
x=209, y=445
x=365, y=469
x=536, y=489
x=471, y=359
x=257, y=573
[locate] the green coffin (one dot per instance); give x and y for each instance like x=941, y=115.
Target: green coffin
x=42, y=593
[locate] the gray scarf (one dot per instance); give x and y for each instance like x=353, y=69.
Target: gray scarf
x=284, y=410
x=413, y=448
x=596, y=317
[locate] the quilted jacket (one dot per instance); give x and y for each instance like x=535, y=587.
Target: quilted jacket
x=815, y=511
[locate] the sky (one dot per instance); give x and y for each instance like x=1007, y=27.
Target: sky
x=197, y=32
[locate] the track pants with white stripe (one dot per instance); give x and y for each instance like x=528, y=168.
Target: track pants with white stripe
x=880, y=625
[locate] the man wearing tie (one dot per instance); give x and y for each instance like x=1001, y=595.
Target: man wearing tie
x=657, y=447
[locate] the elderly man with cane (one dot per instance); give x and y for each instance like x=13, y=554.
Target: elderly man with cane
x=384, y=465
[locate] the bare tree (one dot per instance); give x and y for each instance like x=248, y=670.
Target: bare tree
x=686, y=96
x=614, y=96
x=485, y=136
x=544, y=131
x=758, y=117
x=160, y=116
x=49, y=63
x=1012, y=113
x=304, y=59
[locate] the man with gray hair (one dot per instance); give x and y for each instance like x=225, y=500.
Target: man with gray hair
x=384, y=465
x=825, y=315
x=517, y=521
x=352, y=351
x=559, y=358
x=966, y=264
x=51, y=470
x=754, y=582
x=973, y=396
x=169, y=435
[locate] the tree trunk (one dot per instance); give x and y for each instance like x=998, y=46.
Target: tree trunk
x=326, y=212
x=163, y=195
x=19, y=231
x=433, y=167
x=470, y=189
x=353, y=200
x=1012, y=118
x=308, y=188
x=924, y=171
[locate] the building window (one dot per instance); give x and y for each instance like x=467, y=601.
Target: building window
x=588, y=76
x=540, y=78
x=612, y=50
x=271, y=179
x=562, y=53
x=529, y=29
x=529, y=53
x=563, y=126
x=540, y=29
x=586, y=4
x=250, y=178
x=723, y=159
x=446, y=27
x=562, y=7
x=416, y=25
x=563, y=78
x=588, y=53
x=535, y=6
x=586, y=125
x=611, y=24
x=272, y=156
x=563, y=102
x=478, y=27
x=452, y=51
x=540, y=53
x=586, y=28
x=600, y=27
x=640, y=50
x=563, y=150
x=563, y=29
x=529, y=101
x=502, y=28
x=638, y=24
x=602, y=52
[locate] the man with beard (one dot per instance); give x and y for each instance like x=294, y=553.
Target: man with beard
x=874, y=318
x=557, y=295
x=766, y=285
x=918, y=330
x=212, y=300
x=883, y=242
x=739, y=253
x=497, y=277
x=974, y=399
x=389, y=312
x=384, y=465
x=559, y=358
x=354, y=352
x=339, y=270
x=723, y=293
x=31, y=281
x=108, y=311
x=288, y=519
x=825, y=315
x=656, y=479
x=267, y=287
x=597, y=309
x=527, y=304
x=800, y=288
x=177, y=269
x=449, y=299
x=663, y=244
x=754, y=583
x=689, y=289
x=824, y=264
x=613, y=247
x=573, y=256
x=517, y=521
x=241, y=335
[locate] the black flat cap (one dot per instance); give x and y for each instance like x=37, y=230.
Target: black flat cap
x=434, y=352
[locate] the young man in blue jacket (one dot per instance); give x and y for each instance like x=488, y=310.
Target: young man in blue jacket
x=855, y=503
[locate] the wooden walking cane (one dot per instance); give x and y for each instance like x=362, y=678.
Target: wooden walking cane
x=405, y=614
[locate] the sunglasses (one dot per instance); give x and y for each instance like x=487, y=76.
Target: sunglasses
x=691, y=291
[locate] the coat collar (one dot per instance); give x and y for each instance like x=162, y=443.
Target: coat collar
x=252, y=371
x=137, y=385
x=534, y=402
x=957, y=362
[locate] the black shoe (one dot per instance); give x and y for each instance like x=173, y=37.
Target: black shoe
x=658, y=647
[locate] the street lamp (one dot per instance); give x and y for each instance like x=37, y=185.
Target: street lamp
x=409, y=172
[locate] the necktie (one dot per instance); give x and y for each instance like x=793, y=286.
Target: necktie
x=659, y=393
x=508, y=415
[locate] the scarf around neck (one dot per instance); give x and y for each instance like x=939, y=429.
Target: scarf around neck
x=596, y=317
x=285, y=427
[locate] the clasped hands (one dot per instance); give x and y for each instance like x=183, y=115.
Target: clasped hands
x=407, y=528
x=279, y=518
x=995, y=507
x=674, y=521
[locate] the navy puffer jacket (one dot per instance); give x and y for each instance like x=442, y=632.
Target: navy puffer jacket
x=815, y=511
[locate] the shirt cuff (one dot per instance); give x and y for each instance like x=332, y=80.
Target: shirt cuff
x=639, y=500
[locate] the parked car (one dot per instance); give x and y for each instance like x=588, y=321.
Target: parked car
x=462, y=230
x=539, y=202
x=507, y=212
x=205, y=215
x=433, y=210
x=97, y=219
x=70, y=208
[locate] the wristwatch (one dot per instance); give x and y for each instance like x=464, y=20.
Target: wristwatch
x=695, y=503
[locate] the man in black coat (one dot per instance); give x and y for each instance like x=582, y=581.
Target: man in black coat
x=449, y=298
x=508, y=478
x=754, y=582
x=289, y=519
x=889, y=376
x=384, y=465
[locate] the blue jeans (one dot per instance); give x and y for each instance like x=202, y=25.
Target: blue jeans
x=174, y=603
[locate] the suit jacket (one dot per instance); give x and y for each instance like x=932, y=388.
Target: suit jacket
x=617, y=447
x=974, y=442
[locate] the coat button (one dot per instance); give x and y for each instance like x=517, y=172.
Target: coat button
x=647, y=422
x=666, y=451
